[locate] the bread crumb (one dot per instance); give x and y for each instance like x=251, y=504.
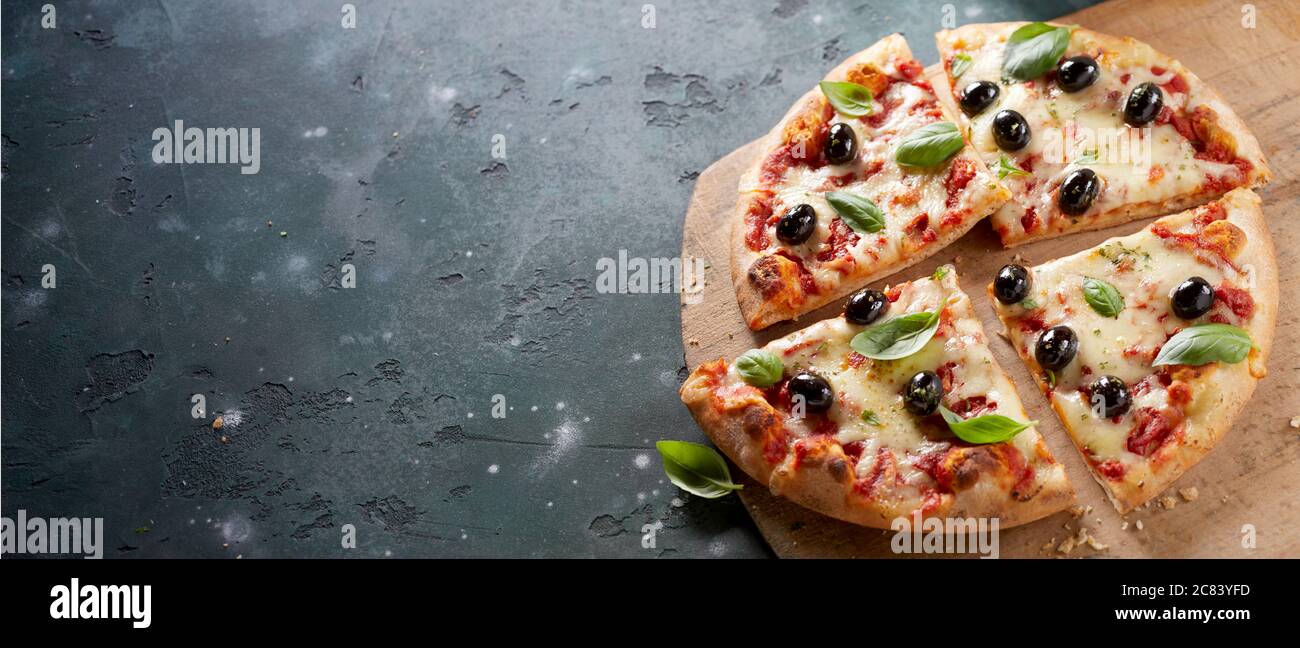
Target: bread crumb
x=1096, y=545
x=1168, y=502
x=1189, y=494
x=218, y=422
x=1066, y=546
x=1295, y=421
x=225, y=439
x=1124, y=527
x=1139, y=525
x=1077, y=512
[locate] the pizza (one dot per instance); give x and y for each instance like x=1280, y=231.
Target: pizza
x=865, y=175
x=896, y=408
x=1089, y=130
x=1149, y=345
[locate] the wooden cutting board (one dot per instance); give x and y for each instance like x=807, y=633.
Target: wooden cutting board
x=1249, y=479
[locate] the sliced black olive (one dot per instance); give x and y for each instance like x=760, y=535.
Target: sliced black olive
x=796, y=224
x=1056, y=348
x=923, y=393
x=977, y=96
x=1012, y=284
x=865, y=306
x=1192, y=298
x=1078, y=191
x=1077, y=73
x=1112, y=394
x=841, y=144
x=1143, y=105
x=1010, y=130
x=816, y=392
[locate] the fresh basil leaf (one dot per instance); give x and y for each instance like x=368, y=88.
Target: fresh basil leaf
x=869, y=417
x=760, y=368
x=1006, y=167
x=1028, y=303
x=897, y=338
x=1034, y=49
x=960, y=63
x=849, y=99
x=939, y=273
x=1205, y=343
x=1102, y=297
x=858, y=212
x=929, y=145
x=1087, y=157
x=989, y=428
x=696, y=469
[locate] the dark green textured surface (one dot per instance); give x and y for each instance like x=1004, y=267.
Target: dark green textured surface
x=475, y=276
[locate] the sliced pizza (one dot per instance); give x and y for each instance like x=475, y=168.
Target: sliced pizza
x=1149, y=345
x=866, y=174
x=894, y=409
x=1089, y=130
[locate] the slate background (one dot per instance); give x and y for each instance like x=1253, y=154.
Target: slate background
x=371, y=406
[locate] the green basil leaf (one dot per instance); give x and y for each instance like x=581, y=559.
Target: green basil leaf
x=1102, y=297
x=696, y=469
x=960, y=63
x=849, y=99
x=989, y=428
x=1028, y=303
x=859, y=213
x=1006, y=167
x=929, y=145
x=870, y=418
x=1034, y=49
x=897, y=338
x=760, y=368
x=1205, y=343
x=939, y=273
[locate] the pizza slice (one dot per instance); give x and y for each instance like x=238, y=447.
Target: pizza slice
x=866, y=175
x=1149, y=345
x=1089, y=130
x=895, y=408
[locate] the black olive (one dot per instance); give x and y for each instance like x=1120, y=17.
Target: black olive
x=816, y=392
x=1077, y=73
x=1010, y=130
x=1056, y=348
x=865, y=306
x=1112, y=394
x=977, y=96
x=1192, y=298
x=923, y=393
x=841, y=144
x=1143, y=104
x=1078, y=191
x=1012, y=284
x=797, y=224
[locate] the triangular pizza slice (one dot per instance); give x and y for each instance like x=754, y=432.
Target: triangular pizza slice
x=1149, y=345
x=865, y=175
x=1089, y=130
x=894, y=409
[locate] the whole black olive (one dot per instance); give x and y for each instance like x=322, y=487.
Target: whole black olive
x=1192, y=298
x=977, y=96
x=865, y=306
x=816, y=392
x=1078, y=191
x=1012, y=284
x=1077, y=73
x=1112, y=394
x=1010, y=130
x=796, y=224
x=923, y=393
x=1143, y=105
x=841, y=144
x=1056, y=348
